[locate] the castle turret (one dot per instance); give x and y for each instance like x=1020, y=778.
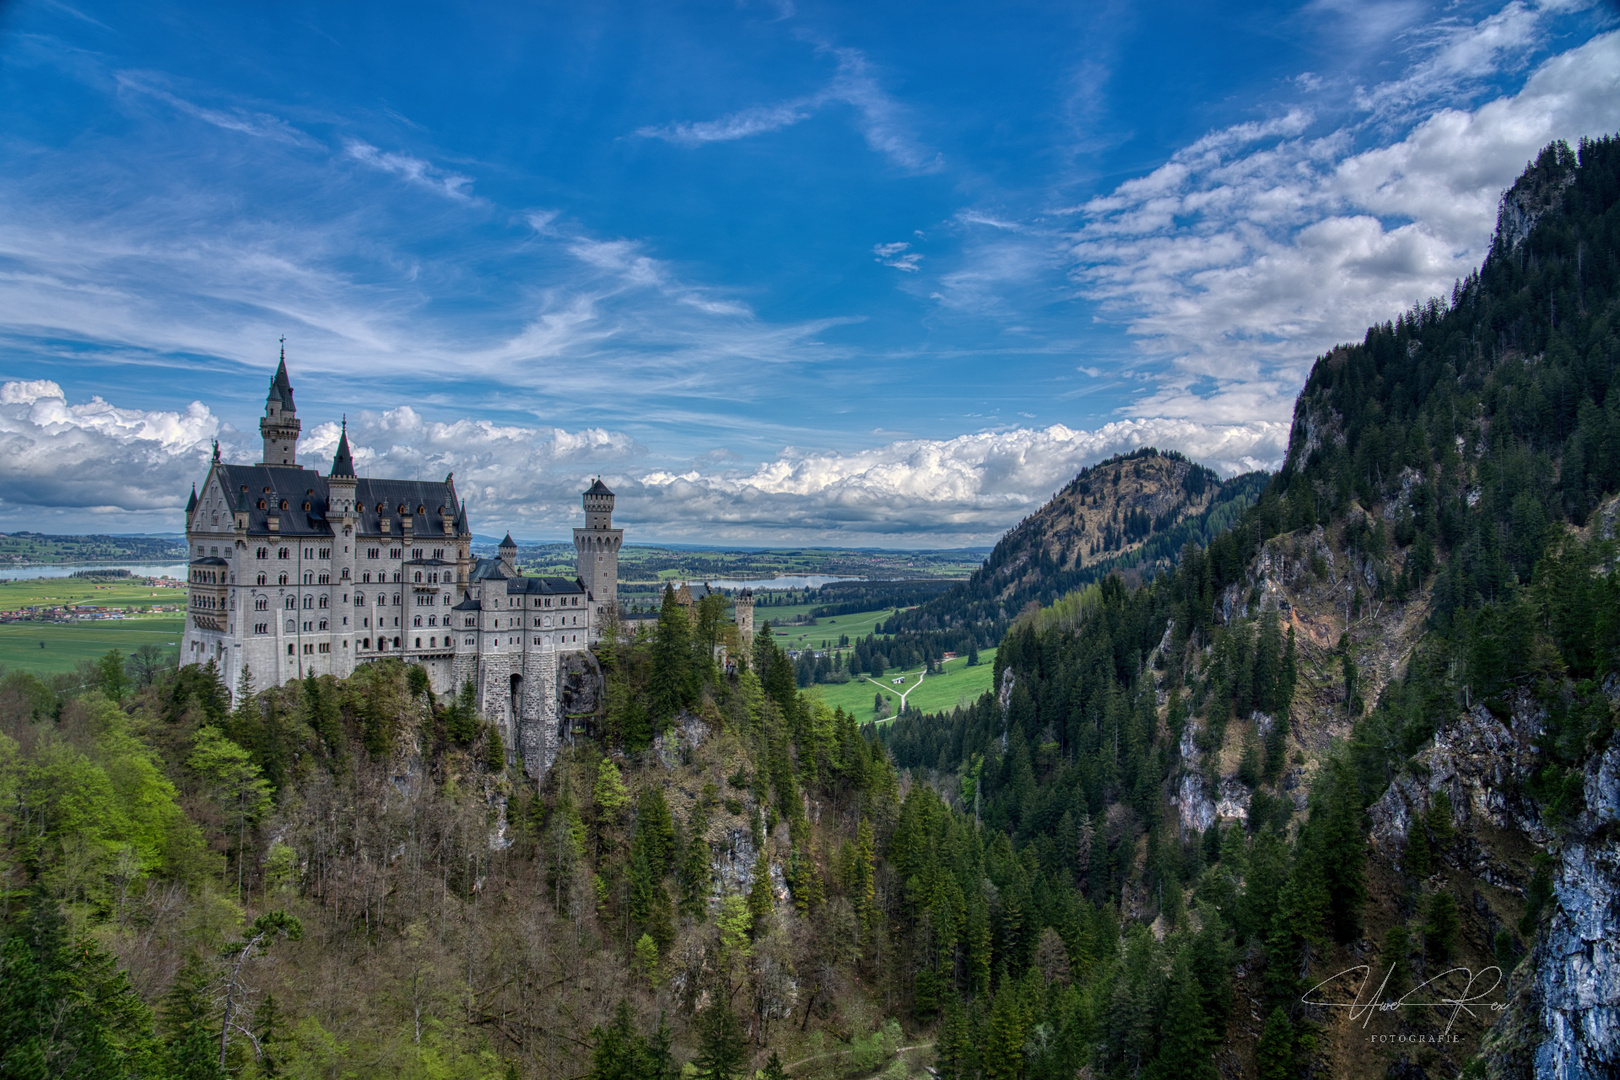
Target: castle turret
x=508, y=553
x=596, y=549
x=744, y=609
x=280, y=425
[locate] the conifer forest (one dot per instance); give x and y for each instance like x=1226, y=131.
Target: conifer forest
x=1358, y=713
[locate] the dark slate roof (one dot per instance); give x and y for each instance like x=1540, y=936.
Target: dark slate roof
x=467, y=603
x=209, y=560
x=281, y=388
x=376, y=499
x=598, y=488
x=486, y=569
x=508, y=542
x=191, y=503
x=543, y=585
x=343, y=461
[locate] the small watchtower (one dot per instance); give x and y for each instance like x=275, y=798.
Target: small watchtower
x=596, y=550
x=744, y=607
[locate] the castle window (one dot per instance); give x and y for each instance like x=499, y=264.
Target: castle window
x=284, y=504
x=309, y=601
x=281, y=579
x=261, y=603
x=419, y=575
x=445, y=599
x=417, y=621
x=420, y=509
x=262, y=553
x=438, y=553
x=326, y=553
x=261, y=628
x=359, y=599
x=393, y=553
x=289, y=650
x=307, y=507
x=325, y=579
x=322, y=625
x=433, y=643
x=468, y=641
x=262, y=579
x=309, y=626
x=283, y=553
x=263, y=505
x=309, y=650
x=416, y=553
x=418, y=643
x=396, y=643
x=471, y=621
x=401, y=510
x=323, y=602
x=433, y=579
x=309, y=577
x=396, y=599
x=365, y=643
x=373, y=553
x=326, y=646
x=366, y=577
x=345, y=573
x=200, y=551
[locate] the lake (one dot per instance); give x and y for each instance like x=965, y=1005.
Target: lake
x=62, y=570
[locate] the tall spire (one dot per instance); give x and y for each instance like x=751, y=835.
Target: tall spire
x=280, y=425
x=343, y=461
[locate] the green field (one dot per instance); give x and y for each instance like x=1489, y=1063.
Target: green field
x=69, y=644
x=937, y=693
x=827, y=629
x=115, y=592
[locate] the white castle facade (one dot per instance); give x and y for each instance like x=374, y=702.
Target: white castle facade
x=293, y=572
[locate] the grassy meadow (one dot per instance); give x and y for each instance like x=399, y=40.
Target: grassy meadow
x=937, y=693
x=68, y=644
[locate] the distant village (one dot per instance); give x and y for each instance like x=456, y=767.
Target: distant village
x=71, y=613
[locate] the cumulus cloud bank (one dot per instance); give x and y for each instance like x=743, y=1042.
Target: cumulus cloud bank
x=138, y=466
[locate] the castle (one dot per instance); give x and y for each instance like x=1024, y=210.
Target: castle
x=294, y=573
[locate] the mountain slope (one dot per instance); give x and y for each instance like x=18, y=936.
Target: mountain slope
x=1372, y=723
x=1132, y=512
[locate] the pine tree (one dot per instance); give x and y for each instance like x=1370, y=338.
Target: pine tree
x=1274, y=1055
x=760, y=898
x=696, y=866
x=720, y=1043
x=672, y=683
x=1184, y=1041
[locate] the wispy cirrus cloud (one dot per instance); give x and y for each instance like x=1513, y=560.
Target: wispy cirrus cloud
x=261, y=125
x=882, y=120
x=413, y=170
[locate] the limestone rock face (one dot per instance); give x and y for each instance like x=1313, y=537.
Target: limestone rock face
x=1577, y=964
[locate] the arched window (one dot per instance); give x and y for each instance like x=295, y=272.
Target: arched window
x=261, y=603
x=322, y=602
x=309, y=601
x=419, y=575
x=283, y=553
x=359, y=599
x=292, y=602
x=417, y=621
x=309, y=577
x=263, y=578
x=281, y=579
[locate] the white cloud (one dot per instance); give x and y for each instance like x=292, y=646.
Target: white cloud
x=413, y=170
x=965, y=490
x=1258, y=248
x=243, y=121
x=881, y=119
x=895, y=255
x=96, y=465
x=96, y=458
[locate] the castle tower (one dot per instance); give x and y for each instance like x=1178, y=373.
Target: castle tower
x=596, y=549
x=745, y=619
x=508, y=554
x=280, y=425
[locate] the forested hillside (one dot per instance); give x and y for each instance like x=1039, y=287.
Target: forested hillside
x=1412, y=640
x=1368, y=726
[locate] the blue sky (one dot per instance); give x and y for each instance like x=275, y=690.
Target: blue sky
x=790, y=273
